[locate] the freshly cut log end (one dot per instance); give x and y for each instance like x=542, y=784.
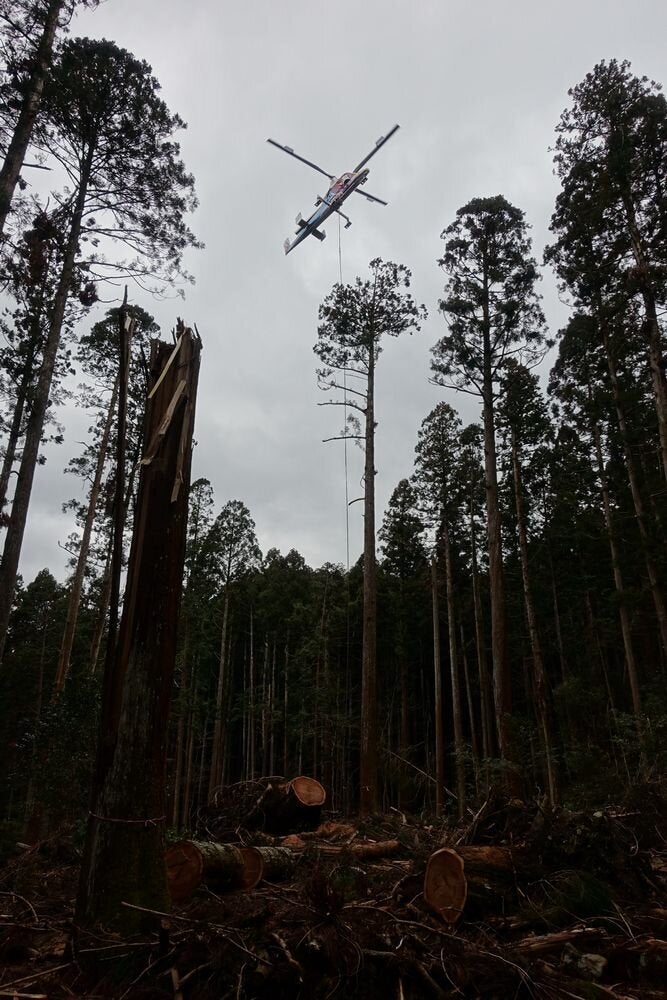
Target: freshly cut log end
x=445, y=885
x=288, y=806
x=185, y=866
x=308, y=791
x=222, y=867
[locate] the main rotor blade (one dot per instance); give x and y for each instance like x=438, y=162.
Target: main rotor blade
x=378, y=146
x=288, y=149
x=371, y=197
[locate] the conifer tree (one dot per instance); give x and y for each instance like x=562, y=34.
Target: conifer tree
x=102, y=119
x=354, y=319
x=492, y=312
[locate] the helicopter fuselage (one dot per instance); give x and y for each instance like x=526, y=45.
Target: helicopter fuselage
x=341, y=188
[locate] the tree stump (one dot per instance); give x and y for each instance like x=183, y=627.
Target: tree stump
x=222, y=867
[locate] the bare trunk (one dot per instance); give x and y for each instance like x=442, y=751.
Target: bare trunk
x=215, y=775
x=19, y=513
x=484, y=693
x=459, y=748
x=640, y=514
x=626, y=631
x=540, y=682
x=18, y=146
x=368, y=763
x=437, y=678
x=84, y=548
x=502, y=690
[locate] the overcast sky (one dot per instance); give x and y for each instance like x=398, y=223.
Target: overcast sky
x=476, y=87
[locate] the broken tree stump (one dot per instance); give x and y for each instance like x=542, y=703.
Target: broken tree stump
x=287, y=806
x=221, y=867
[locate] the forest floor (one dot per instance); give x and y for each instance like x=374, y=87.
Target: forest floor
x=583, y=915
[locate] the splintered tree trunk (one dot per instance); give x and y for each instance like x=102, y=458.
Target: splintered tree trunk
x=124, y=853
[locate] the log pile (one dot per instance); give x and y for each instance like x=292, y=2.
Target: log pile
x=519, y=903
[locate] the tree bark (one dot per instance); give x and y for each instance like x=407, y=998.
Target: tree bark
x=437, y=678
x=540, y=680
x=457, y=716
x=626, y=631
x=368, y=761
x=221, y=867
x=35, y=426
x=18, y=146
x=62, y=669
x=502, y=681
x=215, y=777
x=123, y=858
x=637, y=499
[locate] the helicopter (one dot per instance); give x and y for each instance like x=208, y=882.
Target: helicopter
x=340, y=189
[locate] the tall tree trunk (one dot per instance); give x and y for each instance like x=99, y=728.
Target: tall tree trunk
x=35, y=426
x=438, y=707
x=474, y=741
x=124, y=853
x=215, y=775
x=368, y=760
x=637, y=499
x=484, y=693
x=626, y=631
x=653, y=335
x=18, y=145
x=502, y=681
x=459, y=748
x=84, y=548
x=540, y=681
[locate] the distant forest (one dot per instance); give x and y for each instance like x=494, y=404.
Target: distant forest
x=506, y=624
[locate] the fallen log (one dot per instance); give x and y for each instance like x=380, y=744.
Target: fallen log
x=375, y=849
x=278, y=862
x=222, y=867
x=287, y=806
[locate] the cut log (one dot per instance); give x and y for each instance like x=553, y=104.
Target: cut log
x=279, y=863
x=374, y=849
x=222, y=867
x=445, y=886
x=289, y=806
